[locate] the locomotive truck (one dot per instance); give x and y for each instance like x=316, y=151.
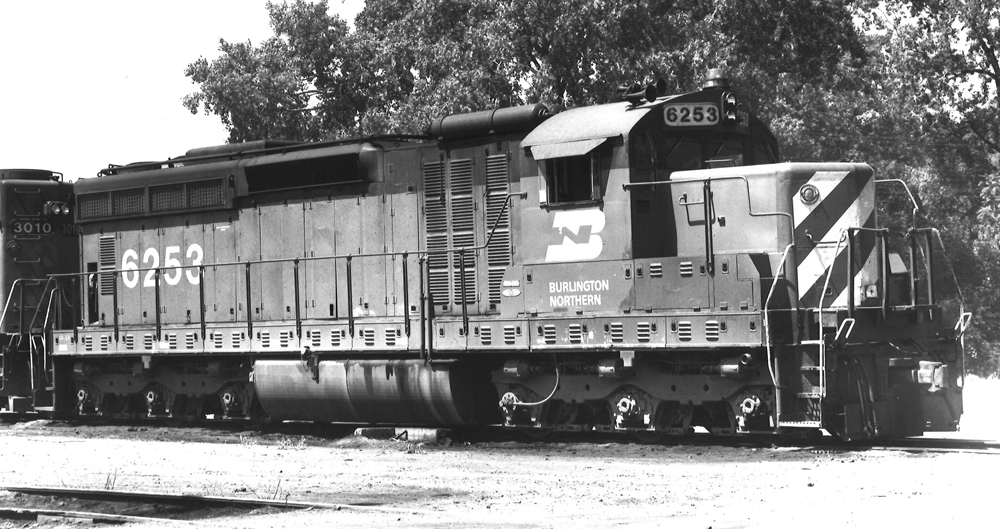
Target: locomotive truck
x=646, y=266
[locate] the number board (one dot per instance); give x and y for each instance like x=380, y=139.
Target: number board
x=39, y=227
x=691, y=114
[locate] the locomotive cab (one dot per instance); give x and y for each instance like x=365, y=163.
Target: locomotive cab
x=38, y=238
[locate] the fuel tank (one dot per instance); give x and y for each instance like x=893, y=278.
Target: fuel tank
x=368, y=391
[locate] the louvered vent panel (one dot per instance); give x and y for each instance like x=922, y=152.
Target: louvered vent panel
x=189, y=340
x=105, y=342
x=686, y=269
x=127, y=201
x=390, y=337
x=642, y=331
x=549, y=333
x=147, y=341
x=684, y=331
x=463, y=223
x=335, y=336
x=217, y=340
x=463, y=214
x=129, y=342
x=166, y=197
x=655, y=269
x=509, y=334
x=485, y=335
x=497, y=223
x=108, y=261
x=93, y=205
x=576, y=333
x=172, y=340
x=368, y=335
x=436, y=218
x=205, y=194
x=438, y=285
x=617, y=332
x=712, y=330
x=265, y=339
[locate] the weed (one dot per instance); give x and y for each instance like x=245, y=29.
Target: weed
x=289, y=444
x=110, y=479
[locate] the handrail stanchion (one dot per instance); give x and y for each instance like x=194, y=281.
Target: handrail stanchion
x=884, y=240
x=298, y=309
x=20, y=308
x=462, y=300
x=850, y=274
x=406, y=298
x=159, y=321
x=203, y=308
x=930, y=267
x=350, y=298
x=423, y=307
x=114, y=298
x=76, y=314
x=249, y=297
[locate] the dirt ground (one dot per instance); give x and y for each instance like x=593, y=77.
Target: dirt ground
x=513, y=484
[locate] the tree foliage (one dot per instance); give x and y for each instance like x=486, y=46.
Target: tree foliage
x=909, y=86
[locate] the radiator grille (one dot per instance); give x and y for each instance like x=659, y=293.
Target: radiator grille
x=166, y=197
x=127, y=202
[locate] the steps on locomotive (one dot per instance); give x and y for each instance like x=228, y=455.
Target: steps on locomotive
x=806, y=404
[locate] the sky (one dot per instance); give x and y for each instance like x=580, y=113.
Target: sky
x=84, y=84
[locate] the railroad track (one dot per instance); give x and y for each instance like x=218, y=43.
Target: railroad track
x=107, y=506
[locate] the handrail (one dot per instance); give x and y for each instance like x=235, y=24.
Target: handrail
x=15, y=284
x=426, y=311
x=906, y=188
x=746, y=182
x=767, y=333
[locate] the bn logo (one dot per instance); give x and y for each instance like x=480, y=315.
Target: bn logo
x=579, y=231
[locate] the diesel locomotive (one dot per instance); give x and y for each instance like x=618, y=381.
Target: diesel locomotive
x=647, y=266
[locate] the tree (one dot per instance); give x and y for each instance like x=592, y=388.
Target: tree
x=939, y=74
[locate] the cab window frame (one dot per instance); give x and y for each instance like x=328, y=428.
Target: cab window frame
x=563, y=184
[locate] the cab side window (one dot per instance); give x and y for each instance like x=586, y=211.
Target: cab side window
x=574, y=179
